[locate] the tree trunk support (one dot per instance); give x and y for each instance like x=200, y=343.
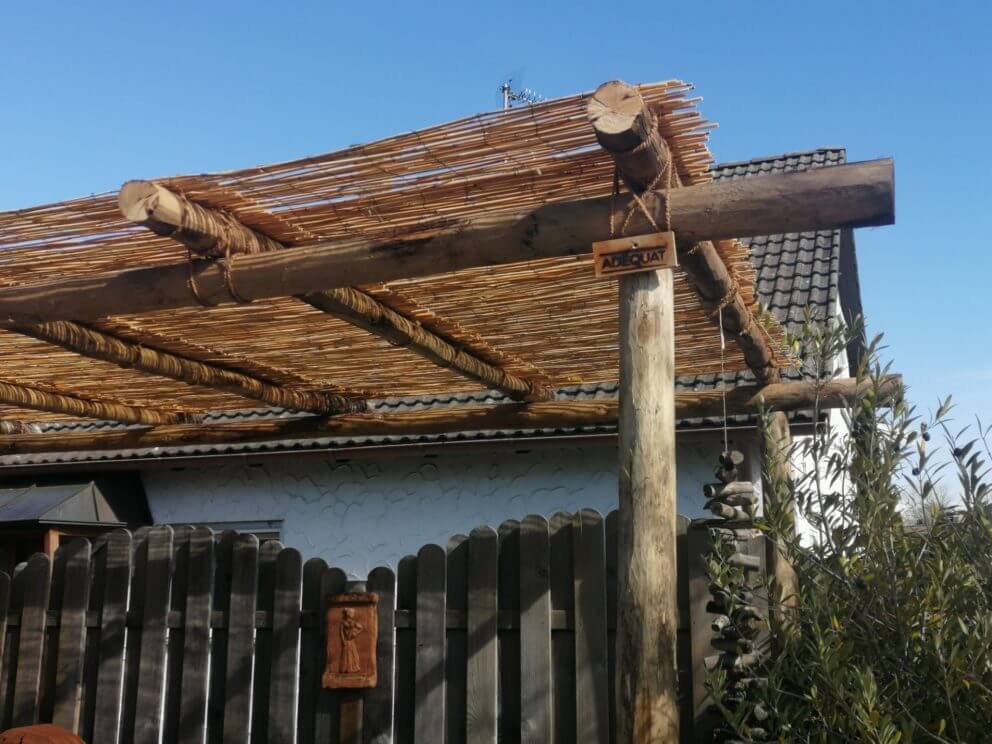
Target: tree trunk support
x=647, y=607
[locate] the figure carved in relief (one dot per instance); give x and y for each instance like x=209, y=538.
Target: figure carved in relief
x=350, y=630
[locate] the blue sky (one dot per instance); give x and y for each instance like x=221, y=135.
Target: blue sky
x=96, y=93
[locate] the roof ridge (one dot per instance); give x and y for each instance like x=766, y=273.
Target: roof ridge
x=840, y=150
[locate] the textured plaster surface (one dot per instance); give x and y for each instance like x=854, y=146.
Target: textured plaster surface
x=369, y=512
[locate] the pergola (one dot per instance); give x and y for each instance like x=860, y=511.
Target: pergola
x=455, y=258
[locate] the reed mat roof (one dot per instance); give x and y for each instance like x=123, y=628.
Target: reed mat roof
x=549, y=321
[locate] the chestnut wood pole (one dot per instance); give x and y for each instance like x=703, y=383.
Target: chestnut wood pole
x=647, y=604
x=853, y=195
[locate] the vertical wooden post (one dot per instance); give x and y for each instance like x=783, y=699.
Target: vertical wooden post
x=776, y=443
x=647, y=622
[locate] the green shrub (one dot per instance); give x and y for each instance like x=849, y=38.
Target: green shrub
x=891, y=636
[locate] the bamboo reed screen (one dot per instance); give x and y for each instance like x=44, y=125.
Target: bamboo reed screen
x=548, y=320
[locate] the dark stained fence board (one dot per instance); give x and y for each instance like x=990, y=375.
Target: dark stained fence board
x=311, y=655
x=456, y=656
x=611, y=615
x=328, y=724
x=535, y=631
x=268, y=553
x=563, y=640
x=284, y=684
x=378, y=714
x=217, y=698
x=110, y=666
x=481, y=674
x=591, y=676
x=509, y=641
x=154, y=636
x=406, y=649
x=196, y=637
x=12, y=645
x=132, y=646
x=240, y=633
x=174, y=661
x=5, y=596
x=429, y=715
x=36, y=577
x=91, y=653
x=72, y=634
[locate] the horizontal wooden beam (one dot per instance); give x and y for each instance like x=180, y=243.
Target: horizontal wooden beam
x=852, y=195
x=44, y=398
x=97, y=344
x=625, y=128
x=551, y=414
x=212, y=233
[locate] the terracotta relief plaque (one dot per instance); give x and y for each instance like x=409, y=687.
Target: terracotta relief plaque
x=352, y=631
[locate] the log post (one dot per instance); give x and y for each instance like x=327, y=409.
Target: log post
x=776, y=443
x=647, y=606
x=625, y=128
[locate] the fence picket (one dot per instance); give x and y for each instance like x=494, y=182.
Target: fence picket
x=5, y=647
x=268, y=553
x=36, y=578
x=221, y=591
x=456, y=655
x=12, y=645
x=378, y=715
x=406, y=645
x=482, y=679
x=509, y=640
x=563, y=640
x=429, y=716
x=110, y=665
x=174, y=658
x=311, y=638
x=611, y=616
x=196, y=638
x=240, y=639
x=535, y=631
x=72, y=634
x=591, y=676
x=284, y=685
x=328, y=728
x=154, y=636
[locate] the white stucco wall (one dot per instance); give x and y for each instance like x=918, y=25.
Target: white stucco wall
x=369, y=512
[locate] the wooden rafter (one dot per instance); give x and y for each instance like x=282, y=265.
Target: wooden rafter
x=212, y=233
x=54, y=400
x=852, y=195
x=98, y=344
x=548, y=414
x=625, y=128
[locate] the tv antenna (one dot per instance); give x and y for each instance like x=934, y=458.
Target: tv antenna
x=513, y=96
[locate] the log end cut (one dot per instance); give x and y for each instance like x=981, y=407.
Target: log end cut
x=613, y=111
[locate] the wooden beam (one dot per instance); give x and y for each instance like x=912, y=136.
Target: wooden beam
x=550, y=414
x=109, y=348
x=852, y=195
x=46, y=398
x=647, y=593
x=625, y=128
x=212, y=233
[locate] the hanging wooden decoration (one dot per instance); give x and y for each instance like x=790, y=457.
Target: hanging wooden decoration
x=636, y=253
x=352, y=631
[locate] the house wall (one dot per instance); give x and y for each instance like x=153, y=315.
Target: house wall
x=366, y=512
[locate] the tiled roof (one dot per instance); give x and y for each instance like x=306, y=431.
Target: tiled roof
x=796, y=271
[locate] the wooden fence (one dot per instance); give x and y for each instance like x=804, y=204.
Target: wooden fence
x=507, y=635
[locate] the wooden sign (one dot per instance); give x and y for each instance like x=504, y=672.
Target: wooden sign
x=352, y=631
x=638, y=253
